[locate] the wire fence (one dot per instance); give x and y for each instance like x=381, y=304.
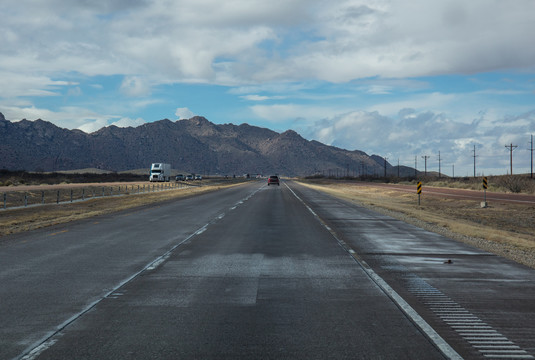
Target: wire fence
x=21, y=199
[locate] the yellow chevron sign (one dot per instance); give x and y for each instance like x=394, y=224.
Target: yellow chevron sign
x=419, y=188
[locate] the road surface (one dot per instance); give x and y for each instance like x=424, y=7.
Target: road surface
x=258, y=272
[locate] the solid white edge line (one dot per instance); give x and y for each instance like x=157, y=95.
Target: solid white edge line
x=437, y=340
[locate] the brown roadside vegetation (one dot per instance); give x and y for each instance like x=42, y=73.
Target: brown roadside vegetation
x=24, y=219
x=502, y=228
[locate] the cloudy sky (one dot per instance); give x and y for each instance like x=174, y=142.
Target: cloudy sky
x=400, y=79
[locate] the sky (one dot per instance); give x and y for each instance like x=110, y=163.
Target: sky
x=404, y=80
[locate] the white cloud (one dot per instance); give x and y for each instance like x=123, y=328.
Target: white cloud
x=436, y=102
x=68, y=117
x=18, y=84
x=127, y=122
x=414, y=133
x=278, y=113
x=92, y=125
x=356, y=130
x=134, y=86
x=246, y=41
x=71, y=117
x=379, y=89
x=255, y=97
x=74, y=91
x=184, y=113
x=380, y=51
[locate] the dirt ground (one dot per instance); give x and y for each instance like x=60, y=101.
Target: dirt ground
x=24, y=219
x=502, y=228
x=20, y=188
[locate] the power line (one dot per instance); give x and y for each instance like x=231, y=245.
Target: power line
x=531, y=156
x=511, y=148
x=439, y=164
x=425, y=157
x=474, y=151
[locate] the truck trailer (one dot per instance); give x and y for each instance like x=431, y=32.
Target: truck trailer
x=160, y=172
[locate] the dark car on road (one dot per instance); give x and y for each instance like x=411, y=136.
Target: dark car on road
x=273, y=180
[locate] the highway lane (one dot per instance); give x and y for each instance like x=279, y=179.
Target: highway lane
x=263, y=278
x=50, y=275
x=481, y=304
x=257, y=274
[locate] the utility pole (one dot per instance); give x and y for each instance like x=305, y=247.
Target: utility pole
x=474, y=151
x=415, y=165
x=385, y=166
x=453, y=170
x=531, y=156
x=511, y=148
x=439, y=164
x=425, y=157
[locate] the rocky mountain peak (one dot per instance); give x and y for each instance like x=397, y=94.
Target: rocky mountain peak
x=199, y=120
x=290, y=134
x=195, y=145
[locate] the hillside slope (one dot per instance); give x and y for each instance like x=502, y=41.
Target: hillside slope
x=194, y=145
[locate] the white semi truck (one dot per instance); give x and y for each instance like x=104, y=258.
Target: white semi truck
x=160, y=172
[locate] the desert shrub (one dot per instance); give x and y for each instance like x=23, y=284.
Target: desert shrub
x=516, y=184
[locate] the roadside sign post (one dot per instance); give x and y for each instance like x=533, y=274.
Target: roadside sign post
x=485, y=185
x=419, y=191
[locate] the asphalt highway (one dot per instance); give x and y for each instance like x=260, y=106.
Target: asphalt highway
x=258, y=272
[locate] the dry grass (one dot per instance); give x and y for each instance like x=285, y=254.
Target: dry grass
x=505, y=229
x=503, y=183
x=24, y=219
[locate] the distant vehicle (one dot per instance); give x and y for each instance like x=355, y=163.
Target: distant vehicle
x=189, y=177
x=160, y=172
x=273, y=180
x=179, y=177
x=198, y=177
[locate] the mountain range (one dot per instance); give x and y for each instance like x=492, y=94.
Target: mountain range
x=195, y=145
